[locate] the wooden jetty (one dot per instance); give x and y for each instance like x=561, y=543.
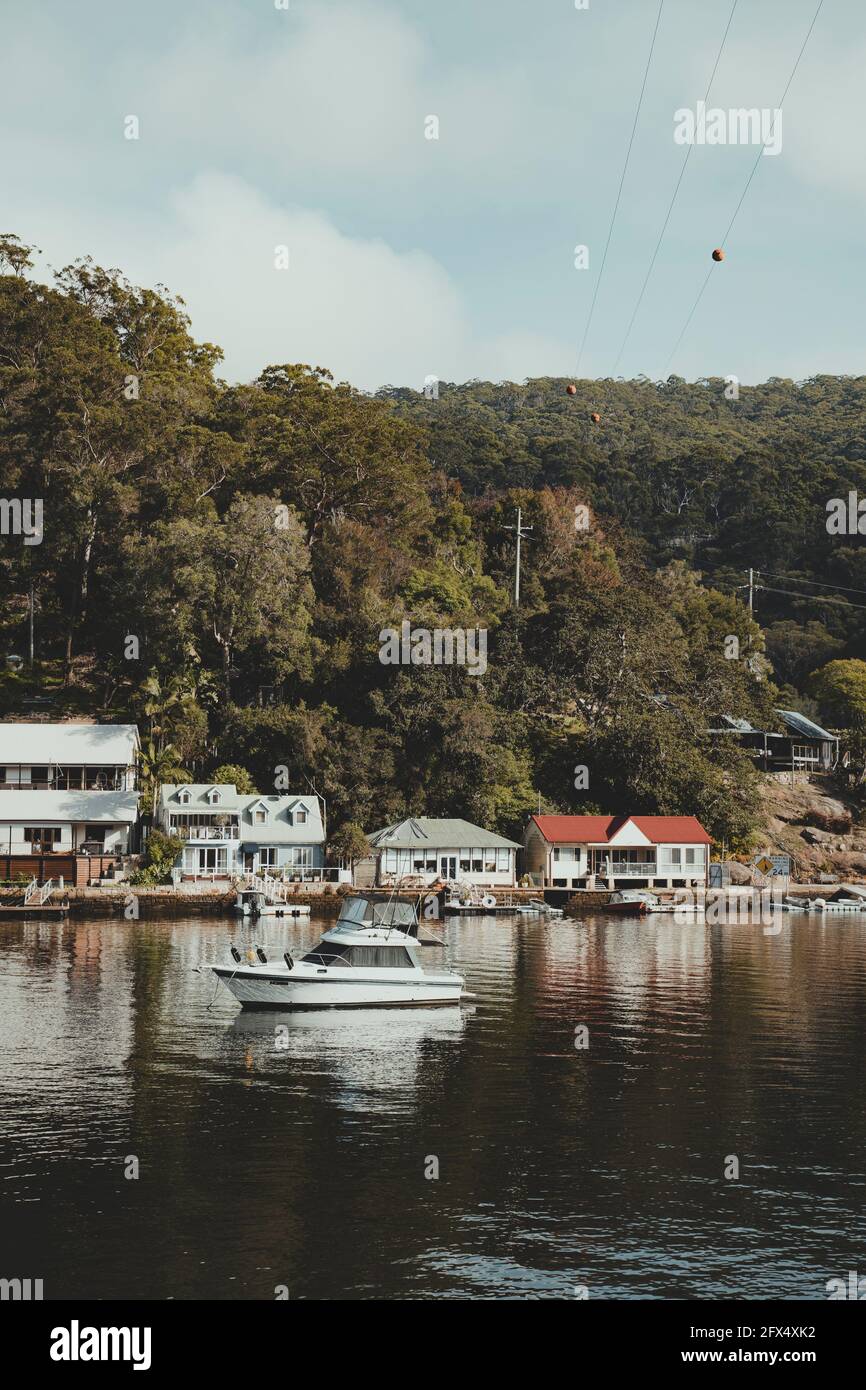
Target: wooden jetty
x=34, y=899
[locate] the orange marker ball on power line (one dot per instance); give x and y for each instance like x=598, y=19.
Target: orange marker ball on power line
x=718, y=254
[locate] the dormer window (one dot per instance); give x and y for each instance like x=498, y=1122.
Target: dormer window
x=184, y=797
x=301, y=817
x=260, y=817
x=213, y=797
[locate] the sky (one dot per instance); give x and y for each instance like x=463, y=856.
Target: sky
x=408, y=257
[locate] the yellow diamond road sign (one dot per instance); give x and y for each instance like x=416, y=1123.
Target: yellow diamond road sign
x=765, y=865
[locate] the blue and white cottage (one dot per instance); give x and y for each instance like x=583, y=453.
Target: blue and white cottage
x=228, y=834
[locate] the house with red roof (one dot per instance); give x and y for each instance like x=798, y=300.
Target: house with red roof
x=616, y=851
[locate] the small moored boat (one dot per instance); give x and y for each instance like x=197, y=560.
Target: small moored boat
x=253, y=902
x=370, y=958
x=633, y=900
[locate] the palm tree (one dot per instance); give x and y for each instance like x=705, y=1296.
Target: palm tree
x=157, y=765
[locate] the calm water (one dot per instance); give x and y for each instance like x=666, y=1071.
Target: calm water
x=305, y=1167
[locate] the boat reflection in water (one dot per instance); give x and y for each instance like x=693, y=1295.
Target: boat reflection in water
x=371, y=1052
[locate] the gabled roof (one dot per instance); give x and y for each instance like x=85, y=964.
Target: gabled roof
x=45, y=808
x=599, y=830
x=435, y=833
x=279, y=829
x=72, y=744
x=799, y=724
x=792, y=719
x=169, y=796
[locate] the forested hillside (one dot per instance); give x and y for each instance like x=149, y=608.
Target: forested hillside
x=723, y=484
x=218, y=561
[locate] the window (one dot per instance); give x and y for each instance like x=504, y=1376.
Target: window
x=690, y=856
x=42, y=839
x=379, y=957
x=213, y=797
x=382, y=957
x=477, y=866
x=430, y=865
x=260, y=817
x=184, y=797
x=465, y=866
x=328, y=953
x=676, y=856
x=268, y=856
x=95, y=832
x=302, y=857
x=301, y=817
x=556, y=856
x=212, y=859
x=39, y=774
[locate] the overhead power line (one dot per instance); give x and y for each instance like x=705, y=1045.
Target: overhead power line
x=683, y=168
x=754, y=170
x=619, y=190
x=814, y=598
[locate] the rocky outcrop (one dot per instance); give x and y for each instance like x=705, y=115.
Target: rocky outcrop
x=818, y=824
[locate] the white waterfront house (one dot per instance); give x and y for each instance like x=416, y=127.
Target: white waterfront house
x=67, y=789
x=227, y=833
x=424, y=848
x=616, y=851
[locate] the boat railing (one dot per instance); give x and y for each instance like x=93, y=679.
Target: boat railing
x=326, y=959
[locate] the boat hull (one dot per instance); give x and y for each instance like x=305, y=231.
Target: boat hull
x=258, y=989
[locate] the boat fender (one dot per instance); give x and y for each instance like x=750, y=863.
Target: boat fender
x=251, y=955
x=488, y=900
x=261, y=955
x=290, y=964
x=236, y=955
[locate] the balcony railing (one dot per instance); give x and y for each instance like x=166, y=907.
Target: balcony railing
x=206, y=832
x=629, y=868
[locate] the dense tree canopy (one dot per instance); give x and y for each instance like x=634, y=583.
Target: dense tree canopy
x=219, y=562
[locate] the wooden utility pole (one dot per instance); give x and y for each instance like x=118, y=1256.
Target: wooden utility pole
x=520, y=531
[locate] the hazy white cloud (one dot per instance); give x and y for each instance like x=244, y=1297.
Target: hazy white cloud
x=337, y=89
x=368, y=313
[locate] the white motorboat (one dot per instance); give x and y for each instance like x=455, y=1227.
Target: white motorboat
x=253, y=902
x=370, y=958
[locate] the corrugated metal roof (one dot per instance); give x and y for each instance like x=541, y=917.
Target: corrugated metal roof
x=43, y=808
x=801, y=725
x=169, y=796
x=430, y=832
x=277, y=830
x=74, y=744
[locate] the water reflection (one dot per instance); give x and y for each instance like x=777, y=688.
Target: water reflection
x=276, y=1147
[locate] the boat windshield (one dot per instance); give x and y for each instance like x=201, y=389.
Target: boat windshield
x=363, y=912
